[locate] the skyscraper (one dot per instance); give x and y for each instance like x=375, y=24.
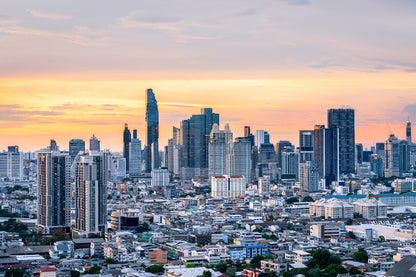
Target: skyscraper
x=76, y=146
x=242, y=158
x=94, y=144
x=54, y=191
x=135, y=155
x=11, y=163
x=126, y=145
x=219, y=151
x=308, y=177
x=249, y=135
x=325, y=153
x=392, y=157
x=194, y=139
x=91, y=193
x=152, y=126
x=409, y=132
x=306, y=145
x=53, y=146
x=260, y=136
x=280, y=147
x=344, y=120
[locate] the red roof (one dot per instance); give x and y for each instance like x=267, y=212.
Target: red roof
x=48, y=269
x=375, y=196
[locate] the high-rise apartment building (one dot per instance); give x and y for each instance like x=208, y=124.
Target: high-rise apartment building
x=324, y=152
x=262, y=137
x=308, y=177
x=94, y=143
x=76, y=146
x=11, y=164
x=228, y=186
x=343, y=119
x=152, y=160
x=392, y=157
x=53, y=146
x=126, y=145
x=282, y=146
x=135, y=155
x=290, y=163
x=160, y=177
x=306, y=145
x=54, y=191
x=219, y=151
x=91, y=193
x=241, y=155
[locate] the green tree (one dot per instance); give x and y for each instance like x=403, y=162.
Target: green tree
x=307, y=199
x=351, y=235
x=231, y=271
x=272, y=273
x=334, y=269
x=256, y=261
x=109, y=261
x=206, y=273
x=315, y=272
x=349, y=222
x=361, y=256
x=334, y=259
x=156, y=268
x=381, y=238
x=75, y=273
x=354, y=271
x=322, y=257
x=189, y=265
x=291, y=200
x=14, y=272
x=95, y=269
x=221, y=267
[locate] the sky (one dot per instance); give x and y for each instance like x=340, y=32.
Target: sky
x=69, y=69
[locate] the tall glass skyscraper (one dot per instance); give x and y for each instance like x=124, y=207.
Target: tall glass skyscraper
x=76, y=146
x=344, y=120
x=152, y=127
x=126, y=145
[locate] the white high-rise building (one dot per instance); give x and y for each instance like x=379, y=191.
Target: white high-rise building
x=308, y=177
x=91, y=193
x=228, y=186
x=264, y=185
x=160, y=177
x=135, y=157
x=219, y=151
x=54, y=191
x=11, y=164
x=392, y=157
x=259, y=138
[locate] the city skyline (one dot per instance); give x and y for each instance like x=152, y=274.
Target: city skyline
x=276, y=65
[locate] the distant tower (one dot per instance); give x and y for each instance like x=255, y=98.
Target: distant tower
x=152, y=128
x=135, y=155
x=409, y=132
x=126, y=145
x=94, y=144
x=76, y=146
x=53, y=146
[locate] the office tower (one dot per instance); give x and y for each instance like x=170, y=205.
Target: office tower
x=409, y=132
x=359, y=153
x=120, y=168
x=11, y=163
x=261, y=135
x=219, y=151
x=53, y=146
x=392, y=157
x=194, y=139
x=267, y=154
x=135, y=155
x=242, y=158
x=280, y=147
x=343, y=119
x=94, y=143
x=306, y=145
x=290, y=163
x=160, y=177
x=380, y=149
x=152, y=128
x=173, y=143
x=249, y=135
x=308, y=177
x=404, y=156
x=376, y=163
x=324, y=152
x=366, y=156
x=228, y=186
x=91, y=193
x=54, y=191
x=76, y=146
x=126, y=145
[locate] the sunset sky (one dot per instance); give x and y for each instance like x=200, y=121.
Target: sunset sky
x=69, y=69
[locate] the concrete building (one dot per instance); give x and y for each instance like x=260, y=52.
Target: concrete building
x=160, y=177
x=308, y=177
x=158, y=256
x=11, y=164
x=219, y=151
x=241, y=155
x=54, y=191
x=264, y=185
x=370, y=208
x=325, y=230
x=392, y=157
x=372, y=232
x=332, y=208
x=135, y=155
x=228, y=186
